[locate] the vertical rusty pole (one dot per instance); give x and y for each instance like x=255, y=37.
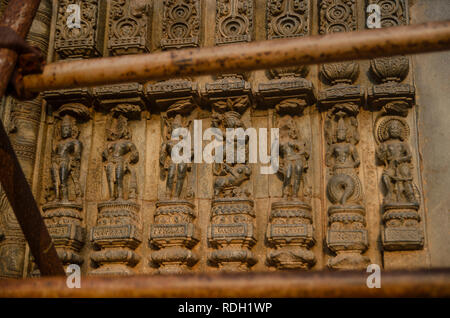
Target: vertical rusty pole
x=18, y=16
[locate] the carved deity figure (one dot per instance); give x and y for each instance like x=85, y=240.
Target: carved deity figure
x=175, y=171
x=294, y=159
x=342, y=154
x=230, y=176
x=119, y=156
x=395, y=153
x=66, y=156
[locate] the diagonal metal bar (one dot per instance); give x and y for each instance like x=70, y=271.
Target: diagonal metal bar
x=18, y=16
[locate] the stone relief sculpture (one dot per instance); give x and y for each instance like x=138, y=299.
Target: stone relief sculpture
x=174, y=233
x=290, y=231
x=130, y=27
x=347, y=236
x=118, y=231
x=119, y=158
x=174, y=208
x=401, y=204
x=63, y=211
x=231, y=232
x=181, y=24
x=234, y=21
x=83, y=42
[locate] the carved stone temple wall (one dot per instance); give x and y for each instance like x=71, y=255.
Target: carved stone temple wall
x=363, y=146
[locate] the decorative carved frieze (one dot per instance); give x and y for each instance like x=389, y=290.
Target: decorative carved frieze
x=339, y=16
x=290, y=229
x=285, y=19
x=174, y=233
x=390, y=71
x=129, y=27
x=234, y=21
x=84, y=41
x=401, y=219
x=118, y=230
x=347, y=234
x=181, y=24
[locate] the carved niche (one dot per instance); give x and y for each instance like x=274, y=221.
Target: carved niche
x=118, y=230
x=173, y=232
x=83, y=42
x=401, y=218
x=290, y=229
x=129, y=27
x=181, y=24
x=232, y=229
x=63, y=211
x=347, y=235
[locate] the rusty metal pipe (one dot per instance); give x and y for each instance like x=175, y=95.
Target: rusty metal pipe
x=419, y=283
x=18, y=16
x=427, y=37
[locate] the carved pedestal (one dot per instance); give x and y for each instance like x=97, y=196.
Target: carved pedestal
x=231, y=233
x=402, y=229
x=290, y=233
x=116, y=235
x=174, y=235
x=347, y=237
x=63, y=221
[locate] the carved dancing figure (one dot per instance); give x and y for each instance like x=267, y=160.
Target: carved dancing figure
x=120, y=154
x=66, y=156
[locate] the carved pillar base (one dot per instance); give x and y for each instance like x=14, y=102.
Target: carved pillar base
x=63, y=220
x=231, y=233
x=116, y=235
x=174, y=235
x=290, y=233
x=347, y=237
x=402, y=230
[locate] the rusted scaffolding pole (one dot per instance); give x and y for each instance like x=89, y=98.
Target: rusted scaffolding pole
x=427, y=37
x=431, y=283
x=18, y=16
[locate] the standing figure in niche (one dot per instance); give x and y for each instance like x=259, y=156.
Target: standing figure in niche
x=174, y=170
x=119, y=156
x=294, y=159
x=395, y=153
x=66, y=157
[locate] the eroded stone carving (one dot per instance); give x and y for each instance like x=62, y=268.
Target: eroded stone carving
x=181, y=24
x=174, y=233
x=23, y=128
x=339, y=16
x=401, y=203
x=118, y=231
x=234, y=21
x=231, y=231
x=347, y=235
x=63, y=212
x=290, y=230
x=86, y=41
x=389, y=72
x=130, y=27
